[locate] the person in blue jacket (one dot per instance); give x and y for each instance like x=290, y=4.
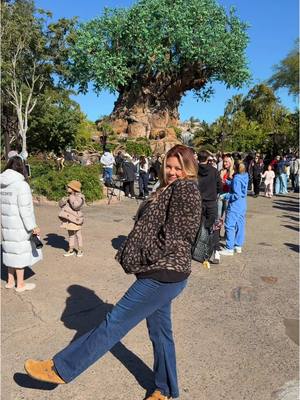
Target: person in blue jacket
x=236, y=211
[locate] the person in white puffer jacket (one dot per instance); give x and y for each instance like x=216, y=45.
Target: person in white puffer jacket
x=17, y=223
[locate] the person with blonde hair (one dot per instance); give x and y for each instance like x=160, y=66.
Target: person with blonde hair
x=236, y=211
x=158, y=252
x=225, y=175
x=269, y=177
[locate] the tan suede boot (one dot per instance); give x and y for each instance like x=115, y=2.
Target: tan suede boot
x=157, y=395
x=43, y=371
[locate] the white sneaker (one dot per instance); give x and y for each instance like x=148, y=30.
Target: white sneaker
x=237, y=249
x=215, y=257
x=69, y=253
x=226, y=252
x=27, y=286
x=79, y=253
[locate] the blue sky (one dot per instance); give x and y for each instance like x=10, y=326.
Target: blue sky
x=273, y=31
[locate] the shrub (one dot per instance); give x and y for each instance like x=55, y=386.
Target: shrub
x=52, y=184
x=40, y=167
x=207, y=147
x=138, y=148
x=178, y=131
x=105, y=127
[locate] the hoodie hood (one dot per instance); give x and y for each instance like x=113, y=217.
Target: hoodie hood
x=203, y=169
x=244, y=179
x=9, y=177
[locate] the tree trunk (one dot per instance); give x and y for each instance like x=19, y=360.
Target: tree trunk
x=143, y=115
x=24, y=143
x=149, y=108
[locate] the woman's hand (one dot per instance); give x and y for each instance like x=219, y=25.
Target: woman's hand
x=36, y=231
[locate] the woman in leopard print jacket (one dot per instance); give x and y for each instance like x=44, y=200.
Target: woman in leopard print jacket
x=158, y=252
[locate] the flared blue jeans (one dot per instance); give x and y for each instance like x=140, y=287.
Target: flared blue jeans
x=146, y=298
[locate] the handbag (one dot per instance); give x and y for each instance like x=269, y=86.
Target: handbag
x=36, y=241
x=203, y=246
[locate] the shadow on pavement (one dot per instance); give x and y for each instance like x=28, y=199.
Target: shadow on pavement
x=25, y=381
x=293, y=227
x=292, y=246
x=117, y=242
x=84, y=311
x=292, y=217
x=28, y=273
x=286, y=207
x=57, y=241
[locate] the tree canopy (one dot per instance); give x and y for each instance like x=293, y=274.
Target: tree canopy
x=252, y=122
x=193, y=42
x=286, y=73
x=34, y=52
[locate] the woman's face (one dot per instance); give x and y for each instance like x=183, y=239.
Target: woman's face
x=226, y=163
x=173, y=170
x=69, y=190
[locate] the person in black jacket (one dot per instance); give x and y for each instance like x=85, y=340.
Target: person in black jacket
x=210, y=186
x=118, y=162
x=255, y=171
x=128, y=177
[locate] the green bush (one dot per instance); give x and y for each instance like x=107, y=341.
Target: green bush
x=52, y=184
x=178, y=131
x=138, y=148
x=105, y=127
x=40, y=167
x=111, y=146
x=208, y=147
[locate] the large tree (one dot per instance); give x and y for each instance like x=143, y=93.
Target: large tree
x=55, y=122
x=257, y=121
x=34, y=50
x=286, y=73
x=153, y=53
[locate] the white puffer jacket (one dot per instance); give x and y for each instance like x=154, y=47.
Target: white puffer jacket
x=17, y=219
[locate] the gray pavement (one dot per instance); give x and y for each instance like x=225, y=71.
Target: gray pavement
x=236, y=325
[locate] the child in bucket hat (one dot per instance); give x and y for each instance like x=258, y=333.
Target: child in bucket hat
x=72, y=217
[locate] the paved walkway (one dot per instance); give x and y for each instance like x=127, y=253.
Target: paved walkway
x=235, y=325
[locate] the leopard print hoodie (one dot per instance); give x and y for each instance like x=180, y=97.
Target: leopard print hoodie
x=164, y=233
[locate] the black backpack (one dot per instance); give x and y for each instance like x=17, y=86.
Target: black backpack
x=203, y=246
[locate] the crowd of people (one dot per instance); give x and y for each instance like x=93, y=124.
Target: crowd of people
x=130, y=168
x=190, y=191
x=224, y=181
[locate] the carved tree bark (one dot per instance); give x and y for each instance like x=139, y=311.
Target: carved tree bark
x=149, y=107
